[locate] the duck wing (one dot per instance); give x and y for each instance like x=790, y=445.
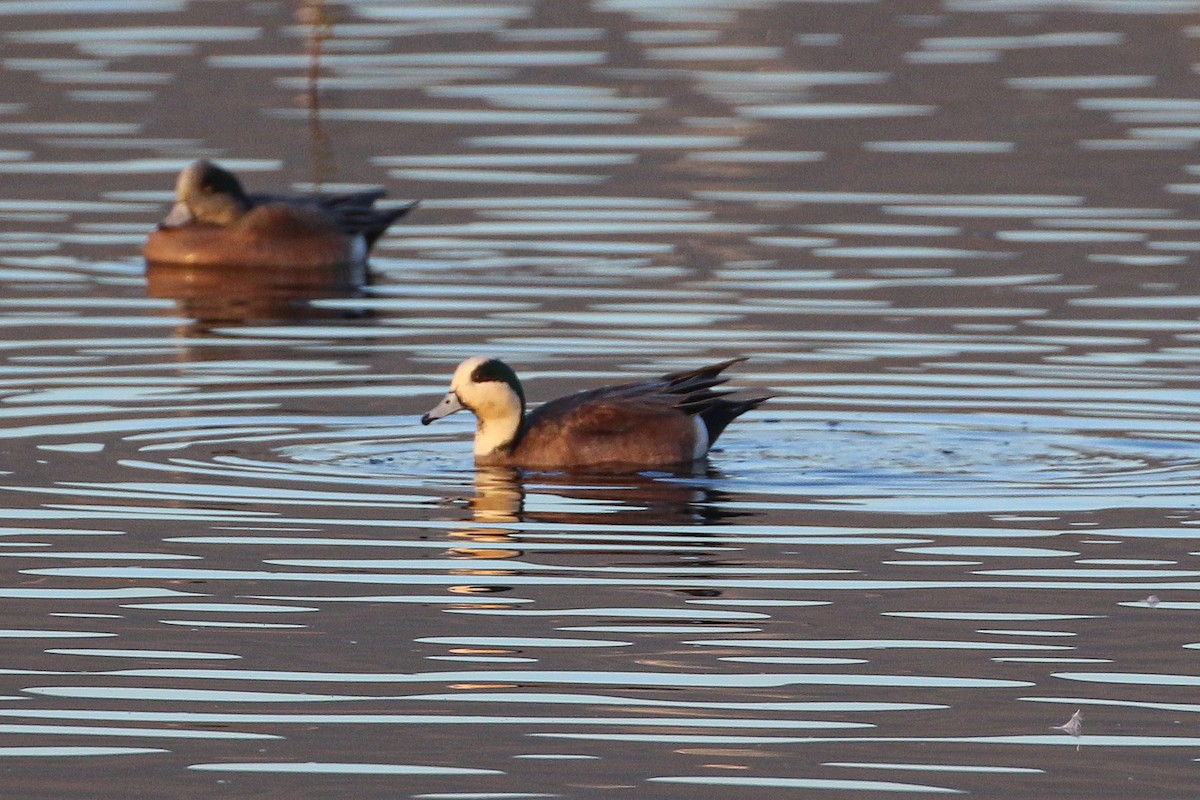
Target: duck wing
x=636, y=430
x=328, y=201
x=673, y=384
x=353, y=213
x=651, y=418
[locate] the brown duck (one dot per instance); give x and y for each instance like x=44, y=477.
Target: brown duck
x=214, y=222
x=674, y=419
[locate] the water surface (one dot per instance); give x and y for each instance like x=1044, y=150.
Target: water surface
x=956, y=240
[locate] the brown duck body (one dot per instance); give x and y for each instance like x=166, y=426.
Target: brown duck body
x=670, y=420
x=578, y=431
x=267, y=236
x=215, y=223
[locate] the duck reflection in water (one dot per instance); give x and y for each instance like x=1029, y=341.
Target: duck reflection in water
x=688, y=496
x=682, y=496
x=221, y=295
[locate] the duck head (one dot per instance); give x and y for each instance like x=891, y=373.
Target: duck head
x=207, y=194
x=489, y=389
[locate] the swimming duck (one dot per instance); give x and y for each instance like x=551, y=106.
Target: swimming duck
x=214, y=222
x=674, y=419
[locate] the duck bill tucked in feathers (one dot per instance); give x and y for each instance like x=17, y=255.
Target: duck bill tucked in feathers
x=177, y=217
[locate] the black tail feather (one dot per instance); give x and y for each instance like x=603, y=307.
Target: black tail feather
x=370, y=222
x=721, y=412
x=383, y=219
x=696, y=402
x=697, y=393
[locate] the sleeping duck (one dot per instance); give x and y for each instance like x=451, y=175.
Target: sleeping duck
x=214, y=222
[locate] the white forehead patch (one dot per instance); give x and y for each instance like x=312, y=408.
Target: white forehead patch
x=189, y=176
x=462, y=375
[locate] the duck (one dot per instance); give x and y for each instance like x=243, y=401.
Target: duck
x=671, y=420
x=214, y=222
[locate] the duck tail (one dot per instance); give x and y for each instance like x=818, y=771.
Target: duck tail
x=697, y=394
x=720, y=411
x=371, y=222
x=383, y=218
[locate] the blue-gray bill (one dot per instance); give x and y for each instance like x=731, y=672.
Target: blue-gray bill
x=449, y=404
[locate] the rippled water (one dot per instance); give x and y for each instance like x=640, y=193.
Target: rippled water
x=956, y=239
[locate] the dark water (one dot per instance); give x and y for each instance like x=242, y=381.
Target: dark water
x=957, y=239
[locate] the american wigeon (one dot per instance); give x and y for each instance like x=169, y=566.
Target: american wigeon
x=669, y=420
x=215, y=223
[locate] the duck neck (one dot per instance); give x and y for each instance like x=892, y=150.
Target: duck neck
x=499, y=432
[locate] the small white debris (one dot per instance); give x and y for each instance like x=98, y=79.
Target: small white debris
x=1073, y=726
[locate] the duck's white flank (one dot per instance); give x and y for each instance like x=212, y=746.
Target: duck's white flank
x=702, y=443
x=359, y=249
